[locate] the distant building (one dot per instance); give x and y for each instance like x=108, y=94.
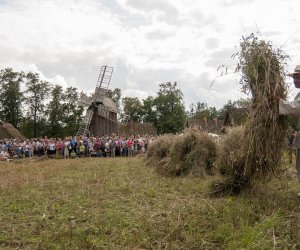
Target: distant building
x=235, y=117
x=209, y=125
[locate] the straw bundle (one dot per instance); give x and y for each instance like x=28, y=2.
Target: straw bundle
x=265, y=130
x=230, y=158
x=159, y=149
x=191, y=153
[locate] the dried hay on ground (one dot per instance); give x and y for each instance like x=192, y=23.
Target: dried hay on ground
x=265, y=130
x=192, y=153
x=159, y=149
x=230, y=159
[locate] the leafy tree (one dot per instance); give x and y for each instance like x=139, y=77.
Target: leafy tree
x=201, y=111
x=170, y=110
x=72, y=113
x=55, y=112
x=149, y=111
x=132, y=107
x=11, y=96
x=26, y=127
x=37, y=91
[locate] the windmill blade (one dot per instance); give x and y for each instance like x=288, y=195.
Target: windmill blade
x=103, y=82
x=88, y=116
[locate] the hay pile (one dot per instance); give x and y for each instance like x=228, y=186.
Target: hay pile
x=262, y=70
x=159, y=149
x=230, y=158
x=191, y=153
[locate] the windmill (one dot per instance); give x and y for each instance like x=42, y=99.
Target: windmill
x=101, y=112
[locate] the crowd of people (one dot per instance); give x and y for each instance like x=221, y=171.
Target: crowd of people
x=72, y=147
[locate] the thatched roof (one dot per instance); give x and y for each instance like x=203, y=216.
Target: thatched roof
x=8, y=131
x=235, y=117
x=104, y=102
x=107, y=102
x=209, y=125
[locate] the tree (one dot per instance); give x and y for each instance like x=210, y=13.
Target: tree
x=72, y=115
x=149, y=111
x=11, y=96
x=170, y=110
x=200, y=111
x=37, y=91
x=132, y=107
x=55, y=112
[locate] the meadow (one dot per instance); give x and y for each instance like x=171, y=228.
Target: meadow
x=120, y=203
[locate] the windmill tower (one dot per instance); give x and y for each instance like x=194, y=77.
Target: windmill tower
x=101, y=113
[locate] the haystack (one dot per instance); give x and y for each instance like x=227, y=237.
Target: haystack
x=159, y=149
x=230, y=155
x=191, y=153
x=8, y=131
x=262, y=69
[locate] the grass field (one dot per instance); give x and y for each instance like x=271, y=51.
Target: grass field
x=123, y=204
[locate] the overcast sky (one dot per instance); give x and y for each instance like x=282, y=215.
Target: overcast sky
x=148, y=42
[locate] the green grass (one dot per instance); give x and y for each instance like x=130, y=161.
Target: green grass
x=122, y=204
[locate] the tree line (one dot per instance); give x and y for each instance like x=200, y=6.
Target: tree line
x=40, y=108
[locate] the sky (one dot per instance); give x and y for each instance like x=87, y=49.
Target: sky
x=148, y=42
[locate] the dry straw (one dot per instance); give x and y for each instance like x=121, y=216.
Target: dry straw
x=262, y=70
x=159, y=149
x=191, y=153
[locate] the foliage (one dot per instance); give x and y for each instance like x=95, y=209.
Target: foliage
x=72, y=113
x=149, y=111
x=11, y=96
x=55, y=112
x=169, y=108
x=200, y=111
x=132, y=107
x=36, y=93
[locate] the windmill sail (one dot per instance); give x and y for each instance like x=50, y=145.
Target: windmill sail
x=98, y=96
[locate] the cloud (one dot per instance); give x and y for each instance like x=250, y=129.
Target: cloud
x=221, y=57
x=229, y=3
x=212, y=43
x=147, y=42
x=146, y=7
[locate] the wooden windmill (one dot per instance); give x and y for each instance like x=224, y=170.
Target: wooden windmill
x=101, y=111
